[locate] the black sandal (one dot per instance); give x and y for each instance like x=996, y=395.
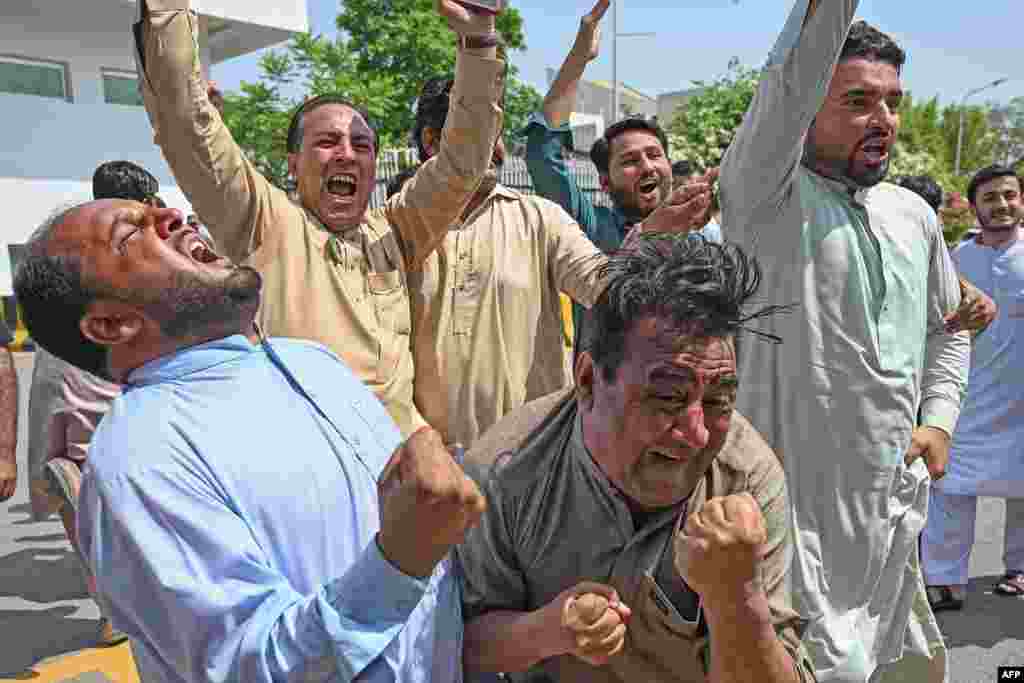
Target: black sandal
x=941, y=598
x=1012, y=584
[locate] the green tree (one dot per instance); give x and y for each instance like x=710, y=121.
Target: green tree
x=704, y=126
x=384, y=52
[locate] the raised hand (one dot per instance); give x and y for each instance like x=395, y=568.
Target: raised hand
x=465, y=20
x=688, y=208
x=718, y=551
x=588, y=40
x=427, y=504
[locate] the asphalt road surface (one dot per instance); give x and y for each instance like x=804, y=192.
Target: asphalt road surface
x=45, y=610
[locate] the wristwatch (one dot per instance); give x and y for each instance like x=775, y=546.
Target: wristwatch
x=480, y=41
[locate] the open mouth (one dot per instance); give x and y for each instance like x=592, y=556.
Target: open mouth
x=648, y=186
x=199, y=251
x=875, y=151
x=341, y=184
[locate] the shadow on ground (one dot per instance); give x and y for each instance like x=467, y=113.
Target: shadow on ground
x=987, y=618
x=31, y=635
x=41, y=575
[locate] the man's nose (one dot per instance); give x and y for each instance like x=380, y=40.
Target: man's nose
x=689, y=426
x=344, y=151
x=166, y=221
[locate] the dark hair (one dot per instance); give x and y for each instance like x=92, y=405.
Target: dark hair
x=54, y=294
x=864, y=40
x=682, y=168
x=985, y=175
x=683, y=279
x=123, y=180
x=296, y=128
x=925, y=187
x=600, y=152
x=396, y=183
x=431, y=109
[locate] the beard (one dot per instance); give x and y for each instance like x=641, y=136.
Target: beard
x=843, y=170
x=197, y=307
x=623, y=199
x=988, y=226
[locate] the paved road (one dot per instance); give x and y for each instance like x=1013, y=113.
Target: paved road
x=45, y=611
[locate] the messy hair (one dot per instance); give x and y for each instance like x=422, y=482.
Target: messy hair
x=685, y=280
x=864, y=40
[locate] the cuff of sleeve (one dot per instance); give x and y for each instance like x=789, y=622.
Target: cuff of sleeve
x=940, y=413
x=363, y=611
x=548, y=132
x=479, y=79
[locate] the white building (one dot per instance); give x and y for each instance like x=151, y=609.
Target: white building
x=70, y=102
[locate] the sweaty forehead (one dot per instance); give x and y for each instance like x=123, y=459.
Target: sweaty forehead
x=664, y=349
x=88, y=225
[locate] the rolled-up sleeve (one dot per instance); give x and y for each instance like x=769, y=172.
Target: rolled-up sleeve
x=765, y=152
x=179, y=571
x=546, y=161
x=238, y=204
x=434, y=198
x=947, y=356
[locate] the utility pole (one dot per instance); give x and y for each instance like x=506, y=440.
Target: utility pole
x=615, y=59
x=960, y=128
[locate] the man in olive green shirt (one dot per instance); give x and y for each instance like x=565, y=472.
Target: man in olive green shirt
x=332, y=271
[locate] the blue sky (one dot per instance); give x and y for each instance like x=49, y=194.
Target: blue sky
x=951, y=50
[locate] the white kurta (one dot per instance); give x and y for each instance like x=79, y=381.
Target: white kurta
x=864, y=359
x=987, y=456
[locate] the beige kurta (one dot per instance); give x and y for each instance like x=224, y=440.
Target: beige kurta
x=346, y=291
x=486, y=311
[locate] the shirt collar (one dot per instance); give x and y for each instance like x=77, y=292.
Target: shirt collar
x=853, y=193
x=190, y=360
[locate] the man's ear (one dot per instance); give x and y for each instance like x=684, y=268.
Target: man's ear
x=429, y=139
x=585, y=373
x=293, y=165
x=111, y=323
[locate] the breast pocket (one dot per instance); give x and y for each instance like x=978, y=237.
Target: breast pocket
x=391, y=302
x=661, y=634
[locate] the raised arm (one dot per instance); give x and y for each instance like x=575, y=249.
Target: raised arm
x=237, y=203
x=760, y=162
x=548, y=134
x=434, y=198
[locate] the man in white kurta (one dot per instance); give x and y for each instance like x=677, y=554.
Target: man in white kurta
x=866, y=377
x=987, y=455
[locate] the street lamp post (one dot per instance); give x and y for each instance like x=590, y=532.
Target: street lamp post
x=960, y=128
x=615, y=59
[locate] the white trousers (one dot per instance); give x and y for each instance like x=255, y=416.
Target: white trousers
x=949, y=535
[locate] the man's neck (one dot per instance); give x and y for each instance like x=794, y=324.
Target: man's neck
x=997, y=239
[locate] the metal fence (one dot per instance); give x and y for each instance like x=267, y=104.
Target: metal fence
x=513, y=174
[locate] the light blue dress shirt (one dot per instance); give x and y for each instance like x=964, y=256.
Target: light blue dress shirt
x=229, y=513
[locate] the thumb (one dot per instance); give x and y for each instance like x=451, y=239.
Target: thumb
x=589, y=607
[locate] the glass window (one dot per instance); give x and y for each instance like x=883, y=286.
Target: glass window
x=121, y=88
x=29, y=77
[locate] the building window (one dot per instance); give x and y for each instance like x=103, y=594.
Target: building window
x=121, y=87
x=23, y=76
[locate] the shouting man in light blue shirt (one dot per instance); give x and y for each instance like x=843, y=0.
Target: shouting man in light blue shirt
x=248, y=509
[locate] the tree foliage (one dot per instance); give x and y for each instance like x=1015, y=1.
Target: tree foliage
x=384, y=52
x=704, y=126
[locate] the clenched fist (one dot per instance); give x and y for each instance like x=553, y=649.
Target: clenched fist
x=592, y=622
x=427, y=504
x=718, y=551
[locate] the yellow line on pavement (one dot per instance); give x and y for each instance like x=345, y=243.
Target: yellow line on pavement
x=115, y=663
